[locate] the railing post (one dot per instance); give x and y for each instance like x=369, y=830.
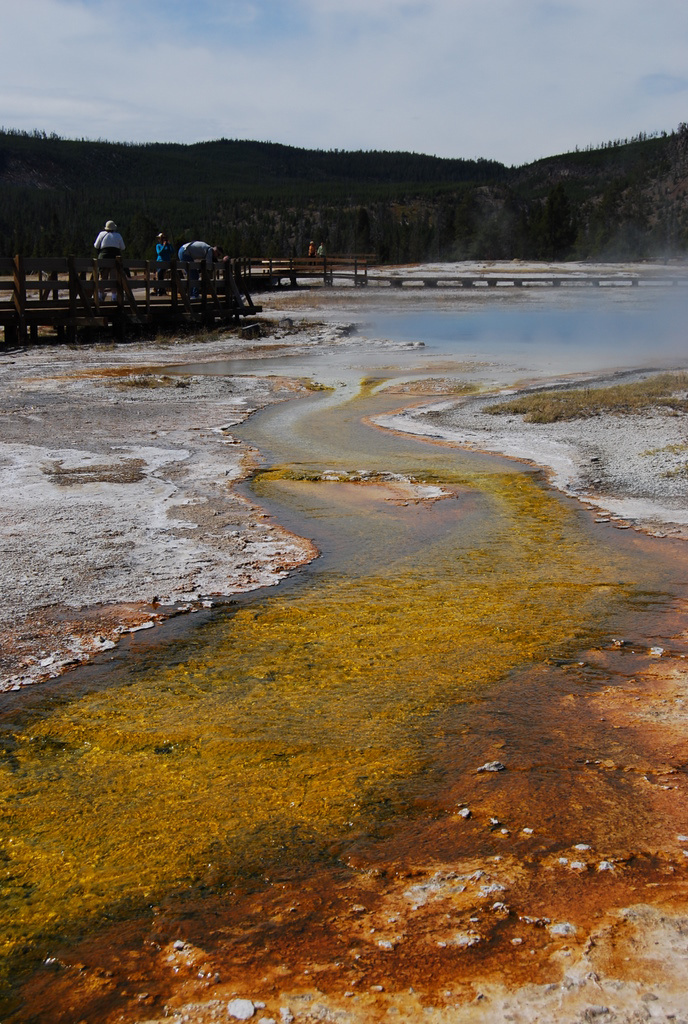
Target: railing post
x=227, y=269
x=72, y=287
x=96, y=288
x=118, y=284
x=73, y=308
x=174, y=286
x=205, y=284
x=19, y=296
x=148, y=287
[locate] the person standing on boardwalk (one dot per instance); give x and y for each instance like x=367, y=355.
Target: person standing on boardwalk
x=163, y=254
x=311, y=249
x=108, y=245
x=198, y=252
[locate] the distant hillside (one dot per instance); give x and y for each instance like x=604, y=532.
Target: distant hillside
x=624, y=199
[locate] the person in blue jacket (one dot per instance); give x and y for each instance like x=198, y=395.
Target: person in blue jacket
x=163, y=254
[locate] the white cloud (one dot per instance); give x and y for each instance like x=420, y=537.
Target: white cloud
x=506, y=79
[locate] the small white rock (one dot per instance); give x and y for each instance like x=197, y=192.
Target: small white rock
x=605, y=865
x=491, y=766
x=241, y=1009
x=563, y=928
x=581, y=846
x=464, y=812
x=527, y=831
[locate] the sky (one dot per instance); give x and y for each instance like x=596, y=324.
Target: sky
x=509, y=80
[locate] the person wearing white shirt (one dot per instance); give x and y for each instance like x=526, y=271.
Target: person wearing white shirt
x=108, y=245
x=109, y=242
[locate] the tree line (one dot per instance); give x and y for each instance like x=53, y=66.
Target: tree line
x=624, y=200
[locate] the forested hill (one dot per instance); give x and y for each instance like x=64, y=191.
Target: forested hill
x=52, y=162
x=624, y=199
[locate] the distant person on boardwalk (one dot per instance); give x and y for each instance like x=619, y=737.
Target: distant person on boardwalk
x=163, y=254
x=108, y=245
x=311, y=250
x=321, y=250
x=198, y=252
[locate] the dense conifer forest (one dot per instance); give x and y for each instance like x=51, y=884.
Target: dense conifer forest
x=625, y=199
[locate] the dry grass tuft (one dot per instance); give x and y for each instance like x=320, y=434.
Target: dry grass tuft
x=667, y=390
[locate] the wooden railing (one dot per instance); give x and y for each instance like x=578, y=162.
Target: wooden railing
x=65, y=294
x=262, y=272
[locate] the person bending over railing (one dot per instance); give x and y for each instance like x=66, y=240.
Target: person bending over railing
x=197, y=252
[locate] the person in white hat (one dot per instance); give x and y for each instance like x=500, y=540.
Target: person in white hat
x=109, y=244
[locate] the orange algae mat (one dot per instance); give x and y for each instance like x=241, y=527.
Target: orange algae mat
x=293, y=790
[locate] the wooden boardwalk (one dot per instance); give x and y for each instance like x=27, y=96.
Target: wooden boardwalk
x=361, y=271
x=65, y=296
x=69, y=297
x=399, y=279
x=262, y=274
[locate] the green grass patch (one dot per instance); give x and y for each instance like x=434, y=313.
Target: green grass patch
x=664, y=390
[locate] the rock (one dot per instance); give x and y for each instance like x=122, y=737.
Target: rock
x=179, y=944
x=464, y=813
x=491, y=766
x=562, y=928
x=241, y=1009
x=286, y=1016
x=605, y=865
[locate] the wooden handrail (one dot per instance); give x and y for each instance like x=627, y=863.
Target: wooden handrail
x=69, y=292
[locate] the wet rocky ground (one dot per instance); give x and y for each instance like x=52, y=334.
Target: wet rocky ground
x=118, y=495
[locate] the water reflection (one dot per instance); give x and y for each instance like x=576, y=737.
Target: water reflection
x=563, y=333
